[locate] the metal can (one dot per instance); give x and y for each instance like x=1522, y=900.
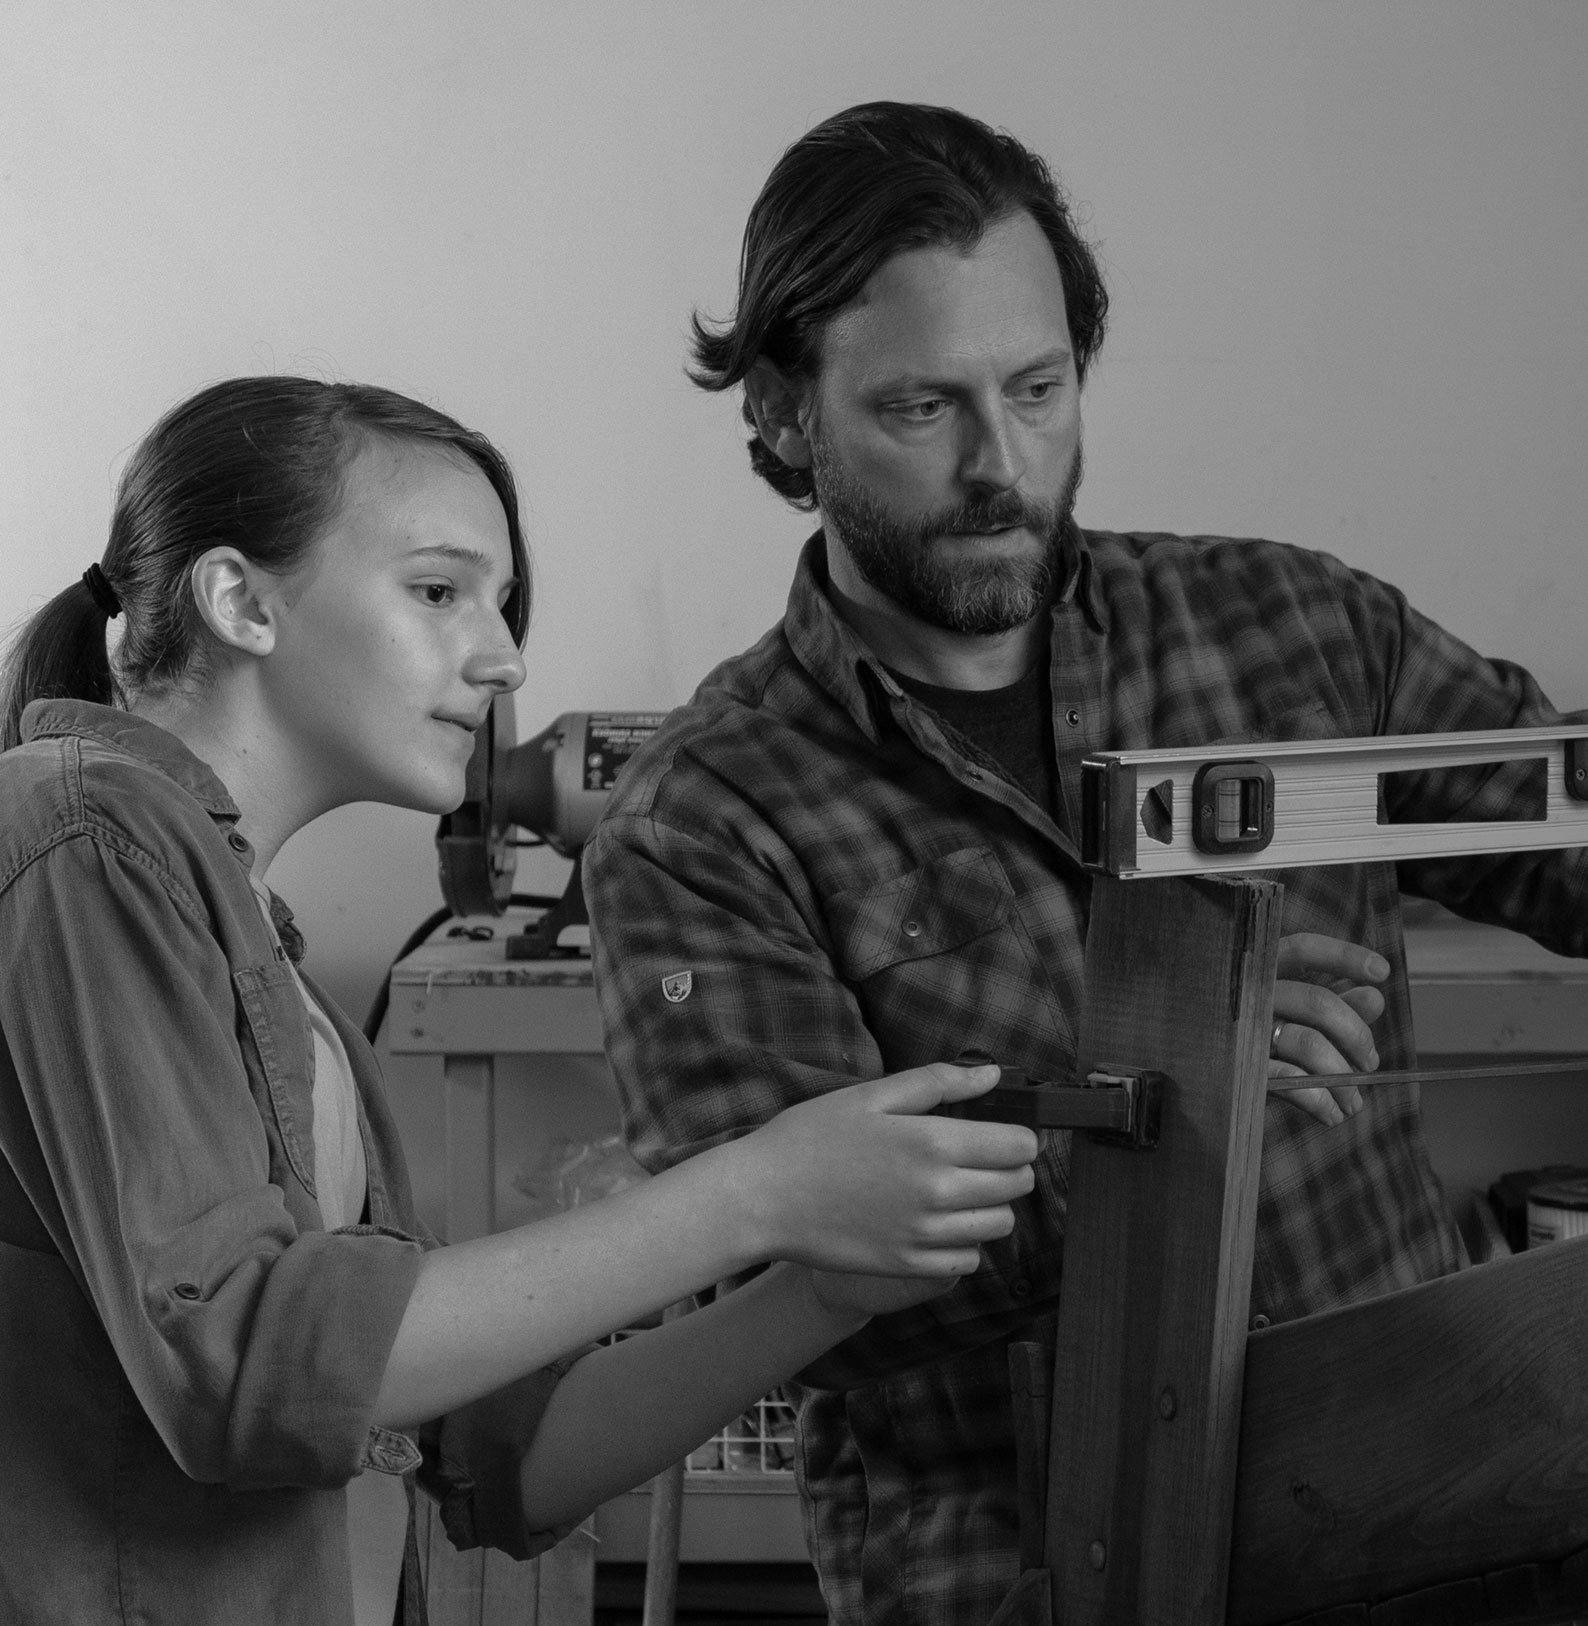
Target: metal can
x=1556, y=1210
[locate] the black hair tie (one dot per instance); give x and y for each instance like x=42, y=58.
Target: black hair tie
x=95, y=581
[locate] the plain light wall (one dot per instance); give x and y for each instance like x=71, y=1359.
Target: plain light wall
x=1347, y=244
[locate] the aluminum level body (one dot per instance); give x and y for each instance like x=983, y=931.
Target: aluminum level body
x=1139, y=813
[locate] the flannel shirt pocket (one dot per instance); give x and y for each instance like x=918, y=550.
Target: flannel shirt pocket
x=940, y=906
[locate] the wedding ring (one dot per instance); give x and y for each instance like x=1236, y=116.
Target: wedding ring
x=1273, y=1041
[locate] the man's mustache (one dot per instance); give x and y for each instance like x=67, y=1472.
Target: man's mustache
x=994, y=511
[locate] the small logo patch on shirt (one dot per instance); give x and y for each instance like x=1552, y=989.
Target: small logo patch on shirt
x=675, y=989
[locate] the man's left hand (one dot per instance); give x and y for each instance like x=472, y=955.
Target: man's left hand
x=1325, y=998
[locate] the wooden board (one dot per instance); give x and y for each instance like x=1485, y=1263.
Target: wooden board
x=1158, y=1254
x=1423, y=1438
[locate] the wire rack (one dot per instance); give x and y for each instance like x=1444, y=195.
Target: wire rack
x=760, y=1441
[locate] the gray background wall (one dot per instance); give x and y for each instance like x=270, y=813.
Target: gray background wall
x=1348, y=245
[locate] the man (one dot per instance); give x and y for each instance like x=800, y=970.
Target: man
x=855, y=849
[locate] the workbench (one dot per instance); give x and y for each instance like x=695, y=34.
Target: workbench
x=461, y=1001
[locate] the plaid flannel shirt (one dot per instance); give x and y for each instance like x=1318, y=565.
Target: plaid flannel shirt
x=855, y=890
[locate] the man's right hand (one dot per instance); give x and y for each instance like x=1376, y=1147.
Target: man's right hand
x=864, y=1179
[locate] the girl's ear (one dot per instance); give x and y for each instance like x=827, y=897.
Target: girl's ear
x=229, y=590
x=777, y=404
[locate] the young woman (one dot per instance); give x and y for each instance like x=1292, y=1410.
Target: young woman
x=220, y=1329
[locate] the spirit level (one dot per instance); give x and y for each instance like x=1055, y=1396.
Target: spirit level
x=1278, y=805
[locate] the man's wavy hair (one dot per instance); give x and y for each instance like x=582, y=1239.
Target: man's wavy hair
x=859, y=188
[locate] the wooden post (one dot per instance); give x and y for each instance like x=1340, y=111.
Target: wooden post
x=667, y=1526
x=1158, y=1255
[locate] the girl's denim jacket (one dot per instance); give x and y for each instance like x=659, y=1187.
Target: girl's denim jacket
x=188, y=1359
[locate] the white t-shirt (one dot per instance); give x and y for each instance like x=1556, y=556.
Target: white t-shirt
x=377, y=1504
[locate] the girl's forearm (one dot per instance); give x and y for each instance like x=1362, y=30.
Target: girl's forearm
x=622, y=1414
x=490, y=1310
x=861, y=1179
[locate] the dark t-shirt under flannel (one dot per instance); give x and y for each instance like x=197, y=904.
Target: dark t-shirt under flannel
x=854, y=894
x=1012, y=726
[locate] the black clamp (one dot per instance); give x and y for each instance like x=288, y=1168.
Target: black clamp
x=1119, y=1106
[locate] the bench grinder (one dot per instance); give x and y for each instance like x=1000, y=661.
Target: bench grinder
x=554, y=787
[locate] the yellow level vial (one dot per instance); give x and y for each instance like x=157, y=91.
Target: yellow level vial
x=1278, y=805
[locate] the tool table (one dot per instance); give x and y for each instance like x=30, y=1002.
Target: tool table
x=461, y=1000
x=522, y=1060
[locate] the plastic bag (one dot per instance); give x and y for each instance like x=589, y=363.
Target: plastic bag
x=571, y=1172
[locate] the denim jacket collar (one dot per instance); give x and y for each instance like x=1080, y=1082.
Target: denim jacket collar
x=138, y=737
x=161, y=749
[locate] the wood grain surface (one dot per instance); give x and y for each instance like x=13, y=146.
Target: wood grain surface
x=1158, y=1251
x=1416, y=1440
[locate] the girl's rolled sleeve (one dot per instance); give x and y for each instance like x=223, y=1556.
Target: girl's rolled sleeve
x=473, y=1459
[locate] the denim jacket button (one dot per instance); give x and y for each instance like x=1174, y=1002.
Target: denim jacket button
x=237, y=842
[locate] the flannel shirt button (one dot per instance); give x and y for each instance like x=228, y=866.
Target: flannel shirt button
x=1073, y=717
x=1020, y=1289
x=1259, y=1321
x=912, y=928
x=186, y=1290
x=237, y=843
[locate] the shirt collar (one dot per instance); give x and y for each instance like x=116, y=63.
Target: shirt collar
x=137, y=737
x=827, y=647
x=845, y=667
x=1081, y=586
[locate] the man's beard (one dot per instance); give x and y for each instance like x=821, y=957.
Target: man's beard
x=903, y=558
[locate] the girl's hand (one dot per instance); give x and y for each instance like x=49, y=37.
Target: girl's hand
x=862, y=1180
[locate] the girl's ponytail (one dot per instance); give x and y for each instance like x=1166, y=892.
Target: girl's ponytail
x=58, y=654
